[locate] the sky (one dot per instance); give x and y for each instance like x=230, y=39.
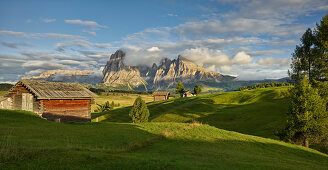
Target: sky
x=250, y=39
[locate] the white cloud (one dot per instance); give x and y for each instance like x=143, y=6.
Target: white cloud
x=242, y=58
x=264, y=52
x=90, y=24
x=84, y=44
x=15, y=45
x=172, y=15
x=39, y=64
x=90, y=32
x=153, y=49
x=39, y=35
x=13, y=33
x=283, y=62
x=35, y=72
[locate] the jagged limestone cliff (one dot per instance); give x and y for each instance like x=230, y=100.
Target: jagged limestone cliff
x=169, y=72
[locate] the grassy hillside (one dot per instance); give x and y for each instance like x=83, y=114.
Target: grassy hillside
x=257, y=112
x=121, y=98
x=28, y=142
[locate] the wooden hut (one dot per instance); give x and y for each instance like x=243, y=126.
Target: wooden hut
x=52, y=100
x=161, y=95
x=188, y=94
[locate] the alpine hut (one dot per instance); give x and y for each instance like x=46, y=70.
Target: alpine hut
x=161, y=95
x=53, y=101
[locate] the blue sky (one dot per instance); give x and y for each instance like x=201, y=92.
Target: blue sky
x=251, y=39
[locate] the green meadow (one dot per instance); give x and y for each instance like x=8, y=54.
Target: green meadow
x=233, y=130
x=256, y=112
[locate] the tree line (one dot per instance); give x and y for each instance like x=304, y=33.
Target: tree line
x=265, y=85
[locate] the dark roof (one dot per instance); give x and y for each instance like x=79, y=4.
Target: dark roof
x=56, y=90
x=161, y=93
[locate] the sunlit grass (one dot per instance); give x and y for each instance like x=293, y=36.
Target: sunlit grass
x=29, y=142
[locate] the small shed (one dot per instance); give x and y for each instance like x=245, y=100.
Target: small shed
x=188, y=94
x=161, y=95
x=53, y=101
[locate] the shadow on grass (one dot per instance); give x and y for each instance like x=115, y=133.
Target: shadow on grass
x=259, y=114
x=216, y=150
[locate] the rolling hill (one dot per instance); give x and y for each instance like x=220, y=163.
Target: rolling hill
x=28, y=142
x=256, y=112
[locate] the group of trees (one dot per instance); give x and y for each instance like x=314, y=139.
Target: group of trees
x=307, y=116
x=106, y=106
x=265, y=85
x=181, y=90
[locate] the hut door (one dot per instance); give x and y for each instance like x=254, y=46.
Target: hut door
x=27, y=101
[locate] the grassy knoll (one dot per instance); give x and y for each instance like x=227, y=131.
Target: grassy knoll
x=28, y=142
x=123, y=98
x=257, y=112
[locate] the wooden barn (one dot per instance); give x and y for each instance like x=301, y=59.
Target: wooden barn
x=161, y=95
x=52, y=100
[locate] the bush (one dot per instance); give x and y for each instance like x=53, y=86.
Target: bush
x=139, y=113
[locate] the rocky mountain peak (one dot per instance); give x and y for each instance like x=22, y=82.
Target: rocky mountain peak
x=119, y=54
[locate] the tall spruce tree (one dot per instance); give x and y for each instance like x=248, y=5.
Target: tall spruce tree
x=139, y=112
x=307, y=116
x=180, y=89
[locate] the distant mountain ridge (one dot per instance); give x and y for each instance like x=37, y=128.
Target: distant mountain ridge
x=164, y=76
x=79, y=76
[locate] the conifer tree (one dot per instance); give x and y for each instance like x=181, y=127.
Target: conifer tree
x=180, y=89
x=139, y=112
x=197, y=90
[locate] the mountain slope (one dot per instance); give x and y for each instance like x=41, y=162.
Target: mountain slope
x=169, y=72
x=24, y=145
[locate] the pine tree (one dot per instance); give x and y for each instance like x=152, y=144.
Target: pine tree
x=197, y=90
x=180, y=89
x=307, y=116
x=139, y=113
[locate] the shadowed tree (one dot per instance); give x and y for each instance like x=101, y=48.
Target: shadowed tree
x=103, y=107
x=180, y=89
x=139, y=112
x=197, y=90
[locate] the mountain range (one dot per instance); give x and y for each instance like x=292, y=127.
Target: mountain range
x=165, y=75
x=118, y=75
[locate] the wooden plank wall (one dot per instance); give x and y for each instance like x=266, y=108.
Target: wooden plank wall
x=67, y=110
x=159, y=97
